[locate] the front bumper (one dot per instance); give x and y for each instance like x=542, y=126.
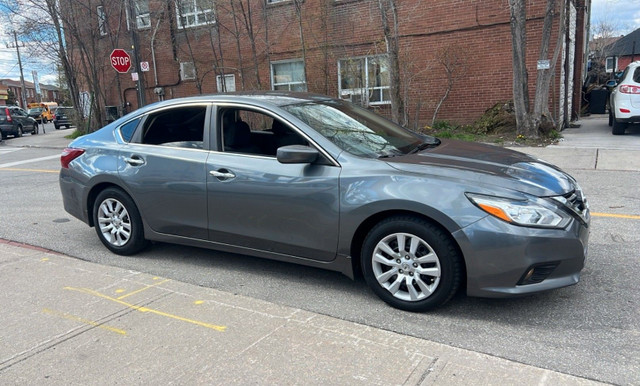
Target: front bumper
x=498, y=257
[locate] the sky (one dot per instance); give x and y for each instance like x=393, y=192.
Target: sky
x=624, y=15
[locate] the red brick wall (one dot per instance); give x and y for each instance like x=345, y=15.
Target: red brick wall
x=478, y=30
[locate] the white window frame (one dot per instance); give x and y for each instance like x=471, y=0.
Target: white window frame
x=229, y=83
x=102, y=20
x=206, y=14
x=187, y=71
x=140, y=17
x=292, y=82
x=366, y=89
x=611, y=64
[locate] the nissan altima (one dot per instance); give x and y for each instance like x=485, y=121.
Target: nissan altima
x=312, y=180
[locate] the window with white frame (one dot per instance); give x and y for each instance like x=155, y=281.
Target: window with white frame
x=364, y=80
x=102, y=20
x=226, y=83
x=288, y=76
x=141, y=9
x=193, y=13
x=187, y=71
x=611, y=64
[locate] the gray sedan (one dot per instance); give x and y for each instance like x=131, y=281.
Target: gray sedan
x=313, y=180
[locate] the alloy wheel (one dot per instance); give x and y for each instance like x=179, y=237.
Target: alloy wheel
x=114, y=222
x=406, y=266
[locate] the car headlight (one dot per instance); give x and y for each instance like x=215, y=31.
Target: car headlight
x=531, y=213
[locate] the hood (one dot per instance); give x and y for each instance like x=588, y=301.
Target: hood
x=488, y=165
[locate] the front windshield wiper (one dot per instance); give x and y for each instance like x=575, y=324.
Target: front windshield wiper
x=425, y=145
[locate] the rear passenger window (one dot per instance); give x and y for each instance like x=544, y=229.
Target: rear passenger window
x=636, y=75
x=177, y=127
x=128, y=129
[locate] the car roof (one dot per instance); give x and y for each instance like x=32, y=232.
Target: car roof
x=265, y=98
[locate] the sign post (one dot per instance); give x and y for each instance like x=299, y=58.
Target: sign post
x=120, y=60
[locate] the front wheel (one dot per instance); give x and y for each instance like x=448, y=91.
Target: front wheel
x=411, y=264
x=118, y=222
x=35, y=129
x=19, y=134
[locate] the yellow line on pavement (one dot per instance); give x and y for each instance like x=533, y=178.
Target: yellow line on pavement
x=143, y=289
x=85, y=321
x=31, y=170
x=145, y=309
x=628, y=216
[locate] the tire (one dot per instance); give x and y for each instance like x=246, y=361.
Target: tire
x=44, y=120
x=35, y=129
x=118, y=222
x=430, y=262
x=19, y=133
x=610, y=118
x=57, y=127
x=618, y=127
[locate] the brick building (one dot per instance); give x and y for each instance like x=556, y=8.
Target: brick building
x=623, y=51
x=48, y=93
x=333, y=47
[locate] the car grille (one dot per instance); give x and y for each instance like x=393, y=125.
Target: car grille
x=577, y=203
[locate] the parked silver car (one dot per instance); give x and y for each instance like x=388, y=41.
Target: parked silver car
x=313, y=180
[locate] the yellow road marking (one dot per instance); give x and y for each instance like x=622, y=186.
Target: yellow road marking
x=85, y=321
x=31, y=170
x=143, y=289
x=198, y=302
x=149, y=310
x=629, y=216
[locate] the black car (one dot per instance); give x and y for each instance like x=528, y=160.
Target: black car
x=36, y=113
x=63, y=117
x=15, y=121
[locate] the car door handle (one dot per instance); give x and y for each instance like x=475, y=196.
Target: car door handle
x=134, y=160
x=222, y=174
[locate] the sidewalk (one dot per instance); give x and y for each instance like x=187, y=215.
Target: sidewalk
x=95, y=324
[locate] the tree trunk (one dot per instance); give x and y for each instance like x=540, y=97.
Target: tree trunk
x=393, y=52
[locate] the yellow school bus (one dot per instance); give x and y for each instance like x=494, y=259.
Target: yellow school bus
x=42, y=111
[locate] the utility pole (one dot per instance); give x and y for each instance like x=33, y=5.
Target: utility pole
x=136, y=57
x=23, y=90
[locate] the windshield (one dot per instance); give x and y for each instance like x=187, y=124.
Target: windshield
x=35, y=110
x=357, y=130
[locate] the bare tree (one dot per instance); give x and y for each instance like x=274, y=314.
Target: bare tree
x=452, y=59
x=529, y=119
x=390, y=28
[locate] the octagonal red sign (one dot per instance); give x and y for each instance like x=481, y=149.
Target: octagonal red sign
x=120, y=60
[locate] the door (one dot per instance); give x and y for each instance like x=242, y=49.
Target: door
x=164, y=169
x=256, y=202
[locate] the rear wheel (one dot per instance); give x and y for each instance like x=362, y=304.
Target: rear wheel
x=19, y=134
x=618, y=127
x=35, y=129
x=118, y=222
x=411, y=264
x=610, y=118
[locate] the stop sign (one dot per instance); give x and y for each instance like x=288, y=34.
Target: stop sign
x=120, y=60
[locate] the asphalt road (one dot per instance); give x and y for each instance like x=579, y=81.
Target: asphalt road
x=589, y=330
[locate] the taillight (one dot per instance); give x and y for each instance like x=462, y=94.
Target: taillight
x=627, y=111
x=629, y=89
x=68, y=155
x=8, y=114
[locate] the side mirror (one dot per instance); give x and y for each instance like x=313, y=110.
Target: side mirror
x=296, y=154
x=612, y=83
